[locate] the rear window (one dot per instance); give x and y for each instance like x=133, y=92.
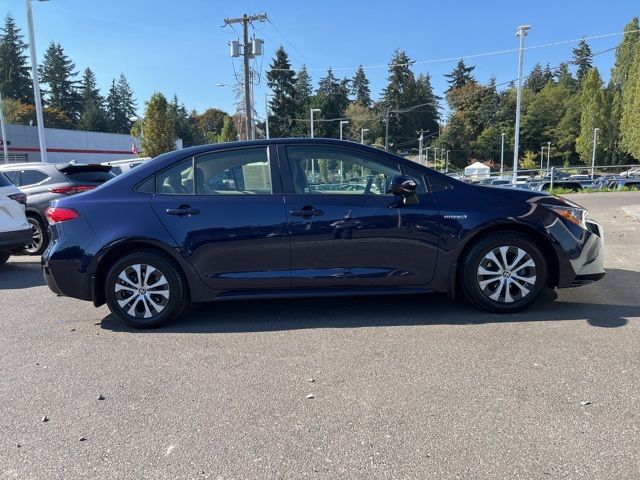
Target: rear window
x=4, y=181
x=87, y=176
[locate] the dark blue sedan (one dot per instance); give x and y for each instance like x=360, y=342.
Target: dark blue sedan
x=308, y=217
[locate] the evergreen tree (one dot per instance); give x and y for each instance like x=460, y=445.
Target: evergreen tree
x=92, y=114
x=619, y=77
x=15, y=80
x=303, y=96
x=629, y=124
x=332, y=98
x=360, y=88
x=547, y=74
x=58, y=72
x=563, y=76
x=228, y=132
x=536, y=79
x=460, y=76
x=180, y=121
x=425, y=117
x=592, y=106
x=583, y=59
x=121, y=106
x=398, y=95
x=159, y=136
x=281, y=80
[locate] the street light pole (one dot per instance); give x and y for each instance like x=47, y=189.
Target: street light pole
x=541, y=158
x=548, y=154
x=312, y=111
x=446, y=165
x=420, y=138
x=36, y=84
x=501, y=154
x=266, y=111
x=521, y=33
x=342, y=122
x=362, y=134
x=3, y=131
x=593, y=156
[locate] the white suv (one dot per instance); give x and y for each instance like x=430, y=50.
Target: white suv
x=15, y=231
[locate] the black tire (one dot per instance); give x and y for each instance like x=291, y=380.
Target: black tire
x=40, y=239
x=133, y=313
x=502, y=290
x=4, y=256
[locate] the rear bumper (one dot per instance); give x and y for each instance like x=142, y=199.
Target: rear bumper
x=15, y=239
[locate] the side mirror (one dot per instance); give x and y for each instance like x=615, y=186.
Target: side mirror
x=405, y=186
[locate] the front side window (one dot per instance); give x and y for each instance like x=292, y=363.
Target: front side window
x=329, y=170
x=31, y=177
x=245, y=171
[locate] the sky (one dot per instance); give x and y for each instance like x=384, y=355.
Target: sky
x=182, y=47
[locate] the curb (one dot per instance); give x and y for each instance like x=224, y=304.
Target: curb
x=631, y=211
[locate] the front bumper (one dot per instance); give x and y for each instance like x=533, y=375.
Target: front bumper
x=589, y=265
x=15, y=239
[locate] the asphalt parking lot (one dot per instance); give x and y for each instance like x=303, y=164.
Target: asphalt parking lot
x=404, y=387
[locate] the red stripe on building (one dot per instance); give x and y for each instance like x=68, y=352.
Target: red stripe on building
x=66, y=150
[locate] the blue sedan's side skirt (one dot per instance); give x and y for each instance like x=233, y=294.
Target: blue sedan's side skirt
x=337, y=292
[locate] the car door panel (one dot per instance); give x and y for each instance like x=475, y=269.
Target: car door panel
x=359, y=240
x=235, y=241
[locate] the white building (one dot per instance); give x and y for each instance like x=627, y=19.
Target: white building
x=67, y=145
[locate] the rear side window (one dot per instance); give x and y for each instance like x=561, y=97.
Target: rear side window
x=244, y=171
x=176, y=180
x=4, y=181
x=31, y=177
x=88, y=176
x=13, y=176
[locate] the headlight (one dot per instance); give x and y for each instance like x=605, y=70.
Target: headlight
x=577, y=216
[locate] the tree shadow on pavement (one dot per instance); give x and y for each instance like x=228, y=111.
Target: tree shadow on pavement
x=240, y=316
x=21, y=275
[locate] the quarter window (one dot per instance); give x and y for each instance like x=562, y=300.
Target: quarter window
x=329, y=170
x=31, y=177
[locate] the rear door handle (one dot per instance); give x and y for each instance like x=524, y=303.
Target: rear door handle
x=183, y=211
x=306, y=212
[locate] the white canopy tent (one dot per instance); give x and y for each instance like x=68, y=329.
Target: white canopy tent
x=477, y=170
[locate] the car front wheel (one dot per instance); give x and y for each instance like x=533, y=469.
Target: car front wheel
x=145, y=290
x=504, y=272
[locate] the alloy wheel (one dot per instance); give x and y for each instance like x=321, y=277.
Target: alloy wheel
x=142, y=291
x=37, y=237
x=506, y=274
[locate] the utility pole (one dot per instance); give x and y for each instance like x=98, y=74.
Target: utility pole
x=249, y=50
x=521, y=32
x=593, y=156
x=266, y=113
x=3, y=131
x=548, y=154
x=446, y=165
x=541, y=158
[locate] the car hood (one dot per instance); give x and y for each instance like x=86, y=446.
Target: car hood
x=530, y=196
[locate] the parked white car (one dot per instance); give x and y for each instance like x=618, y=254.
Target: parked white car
x=15, y=231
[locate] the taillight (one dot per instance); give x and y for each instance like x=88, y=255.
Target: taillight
x=72, y=189
x=19, y=197
x=59, y=214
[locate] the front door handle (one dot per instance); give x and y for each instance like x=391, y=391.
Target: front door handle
x=183, y=211
x=306, y=212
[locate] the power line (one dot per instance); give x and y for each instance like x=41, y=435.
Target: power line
x=459, y=57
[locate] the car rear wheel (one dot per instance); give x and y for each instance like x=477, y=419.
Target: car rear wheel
x=39, y=238
x=504, y=272
x=145, y=290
